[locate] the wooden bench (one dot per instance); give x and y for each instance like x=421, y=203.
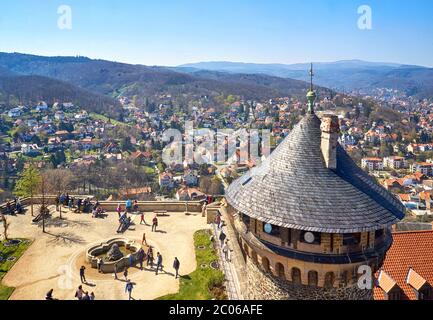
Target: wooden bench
x=161, y=213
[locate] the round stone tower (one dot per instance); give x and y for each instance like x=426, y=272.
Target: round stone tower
x=308, y=217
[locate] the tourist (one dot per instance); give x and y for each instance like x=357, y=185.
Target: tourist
x=144, y=239
x=135, y=206
x=149, y=256
x=79, y=293
x=57, y=202
x=176, y=266
x=158, y=262
x=86, y=296
x=128, y=205
x=140, y=257
x=125, y=273
x=142, y=219
x=115, y=271
x=222, y=237
x=154, y=223
x=71, y=203
x=131, y=260
x=82, y=276
x=119, y=210
x=9, y=208
x=226, y=251
x=218, y=220
x=100, y=263
x=128, y=288
x=49, y=295
x=79, y=202
x=92, y=296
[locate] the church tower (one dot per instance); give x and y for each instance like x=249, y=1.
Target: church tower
x=308, y=217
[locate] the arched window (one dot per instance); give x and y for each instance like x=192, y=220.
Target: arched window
x=296, y=276
x=329, y=280
x=345, y=278
x=313, y=278
x=279, y=270
x=265, y=264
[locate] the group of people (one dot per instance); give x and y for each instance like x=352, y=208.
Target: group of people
x=80, y=205
x=223, y=238
x=80, y=294
x=14, y=207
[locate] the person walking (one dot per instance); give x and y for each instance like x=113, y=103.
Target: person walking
x=115, y=272
x=222, y=237
x=176, y=266
x=82, y=275
x=128, y=289
x=158, y=262
x=142, y=219
x=154, y=223
x=150, y=257
x=140, y=257
x=100, y=263
x=226, y=251
x=125, y=273
x=79, y=293
x=119, y=210
x=144, y=239
x=92, y=296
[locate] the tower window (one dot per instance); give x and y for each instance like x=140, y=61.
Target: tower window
x=351, y=239
x=313, y=278
x=329, y=280
x=296, y=276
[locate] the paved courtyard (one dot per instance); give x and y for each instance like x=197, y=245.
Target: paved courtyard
x=54, y=258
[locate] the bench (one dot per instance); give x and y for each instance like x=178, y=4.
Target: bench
x=161, y=213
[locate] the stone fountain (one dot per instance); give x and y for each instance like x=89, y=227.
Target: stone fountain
x=112, y=255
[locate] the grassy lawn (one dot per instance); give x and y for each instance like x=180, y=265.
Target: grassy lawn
x=98, y=116
x=5, y=265
x=203, y=283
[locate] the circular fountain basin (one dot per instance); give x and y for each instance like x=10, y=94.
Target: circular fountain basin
x=127, y=247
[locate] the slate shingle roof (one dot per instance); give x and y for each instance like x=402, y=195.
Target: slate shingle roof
x=293, y=188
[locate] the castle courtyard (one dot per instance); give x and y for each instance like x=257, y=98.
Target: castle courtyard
x=55, y=257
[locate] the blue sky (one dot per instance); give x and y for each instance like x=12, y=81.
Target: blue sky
x=172, y=32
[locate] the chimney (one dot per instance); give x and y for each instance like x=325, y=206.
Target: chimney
x=330, y=133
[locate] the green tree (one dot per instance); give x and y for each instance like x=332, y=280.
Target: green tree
x=28, y=184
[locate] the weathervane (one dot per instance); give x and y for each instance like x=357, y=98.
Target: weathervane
x=311, y=95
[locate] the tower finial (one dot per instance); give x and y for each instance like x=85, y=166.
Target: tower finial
x=311, y=95
x=311, y=77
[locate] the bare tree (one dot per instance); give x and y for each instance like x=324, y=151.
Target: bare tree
x=57, y=182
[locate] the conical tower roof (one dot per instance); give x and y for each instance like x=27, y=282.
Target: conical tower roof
x=293, y=188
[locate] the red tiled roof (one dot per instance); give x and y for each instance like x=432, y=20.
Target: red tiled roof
x=409, y=250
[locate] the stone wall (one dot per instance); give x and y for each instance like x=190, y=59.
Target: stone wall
x=170, y=206
x=263, y=285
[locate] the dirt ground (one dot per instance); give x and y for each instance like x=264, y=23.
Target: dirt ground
x=54, y=258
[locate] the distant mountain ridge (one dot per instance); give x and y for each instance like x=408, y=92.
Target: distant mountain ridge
x=116, y=79
x=346, y=75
